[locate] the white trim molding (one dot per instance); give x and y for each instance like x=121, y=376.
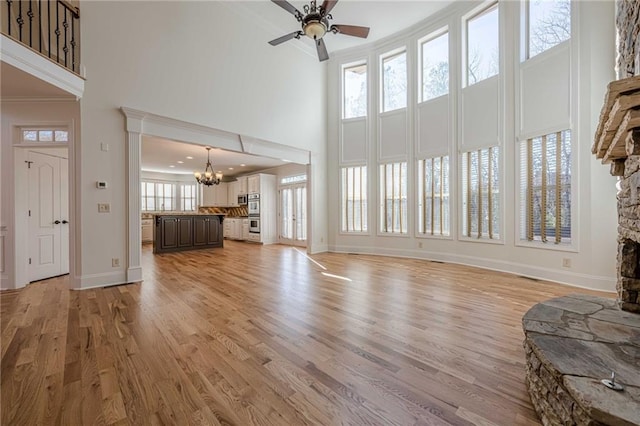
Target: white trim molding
x=18, y=55
x=573, y=279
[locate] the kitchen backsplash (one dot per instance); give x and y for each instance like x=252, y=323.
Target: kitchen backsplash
x=229, y=211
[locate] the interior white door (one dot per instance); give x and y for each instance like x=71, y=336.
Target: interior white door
x=48, y=216
x=293, y=215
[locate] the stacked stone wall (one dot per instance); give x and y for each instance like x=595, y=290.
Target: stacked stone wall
x=550, y=398
x=628, y=259
x=628, y=26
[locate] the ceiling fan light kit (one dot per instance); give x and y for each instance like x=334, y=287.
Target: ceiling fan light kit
x=315, y=24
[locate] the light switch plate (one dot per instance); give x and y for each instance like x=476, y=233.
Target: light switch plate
x=104, y=208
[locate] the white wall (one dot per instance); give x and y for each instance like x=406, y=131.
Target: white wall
x=200, y=62
x=592, y=253
x=21, y=113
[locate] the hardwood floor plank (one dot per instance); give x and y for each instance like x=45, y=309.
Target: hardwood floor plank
x=255, y=335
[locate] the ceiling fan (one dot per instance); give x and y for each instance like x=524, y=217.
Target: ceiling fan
x=315, y=24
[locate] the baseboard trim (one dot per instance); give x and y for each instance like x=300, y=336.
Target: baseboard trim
x=574, y=279
x=101, y=280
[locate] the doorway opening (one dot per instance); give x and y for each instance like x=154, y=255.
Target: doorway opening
x=293, y=210
x=42, y=213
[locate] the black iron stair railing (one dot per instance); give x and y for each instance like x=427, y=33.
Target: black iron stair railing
x=50, y=27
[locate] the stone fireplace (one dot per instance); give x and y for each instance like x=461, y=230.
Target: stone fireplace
x=574, y=343
x=617, y=141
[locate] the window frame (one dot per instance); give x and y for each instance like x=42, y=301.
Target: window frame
x=383, y=226
x=44, y=127
x=420, y=205
x=364, y=217
x=391, y=54
x=525, y=32
x=463, y=171
x=182, y=198
x=343, y=70
x=479, y=11
x=431, y=36
x=176, y=198
x=521, y=222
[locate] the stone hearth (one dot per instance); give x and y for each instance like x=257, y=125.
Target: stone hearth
x=572, y=343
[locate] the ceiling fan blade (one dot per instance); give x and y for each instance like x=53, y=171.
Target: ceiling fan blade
x=327, y=5
x=351, y=30
x=322, y=50
x=286, y=37
x=288, y=7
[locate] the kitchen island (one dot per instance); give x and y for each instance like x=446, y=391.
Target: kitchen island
x=187, y=231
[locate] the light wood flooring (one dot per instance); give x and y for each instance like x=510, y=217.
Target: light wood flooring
x=256, y=335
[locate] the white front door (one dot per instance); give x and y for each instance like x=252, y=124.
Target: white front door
x=48, y=216
x=293, y=215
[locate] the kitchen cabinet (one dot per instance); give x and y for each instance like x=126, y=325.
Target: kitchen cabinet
x=245, y=229
x=215, y=195
x=265, y=185
x=253, y=184
x=186, y=232
x=233, y=228
x=147, y=230
x=233, y=190
x=242, y=185
x=206, y=231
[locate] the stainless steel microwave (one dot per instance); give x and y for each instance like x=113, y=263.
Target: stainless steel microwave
x=242, y=200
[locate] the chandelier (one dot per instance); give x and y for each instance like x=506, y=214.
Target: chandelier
x=208, y=178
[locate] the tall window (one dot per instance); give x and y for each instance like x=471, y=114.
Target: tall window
x=188, y=197
x=433, y=201
x=547, y=24
x=546, y=188
x=157, y=196
x=355, y=91
x=435, y=67
x=480, y=193
x=354, y=199
x=393, y=196
x=394, y=82
x=483, y=57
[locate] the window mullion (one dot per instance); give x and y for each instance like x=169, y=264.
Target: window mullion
x=490, y=193
x=468, y=156
x=441, y=196
x=424, y=196
x=543, y=198
x=479, y=169
x=393, y=197
x=558, y=175
x=530, y=189
x=433, y=193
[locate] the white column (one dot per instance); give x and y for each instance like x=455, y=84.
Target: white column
x=134, y=123
x=134, y=268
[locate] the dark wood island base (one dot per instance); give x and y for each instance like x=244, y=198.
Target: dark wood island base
x=180, y=232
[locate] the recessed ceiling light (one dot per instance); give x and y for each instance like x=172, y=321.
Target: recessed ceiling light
x=286, y=161
x=180, y=162
x=230, y=168
x=172, y=166
x=189, y=157
x=242, y=165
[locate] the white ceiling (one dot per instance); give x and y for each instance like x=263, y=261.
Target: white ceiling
x=158, y=155
x=383, y=17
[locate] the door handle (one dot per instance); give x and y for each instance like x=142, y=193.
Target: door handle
x=65, y=222
x=57, y=222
